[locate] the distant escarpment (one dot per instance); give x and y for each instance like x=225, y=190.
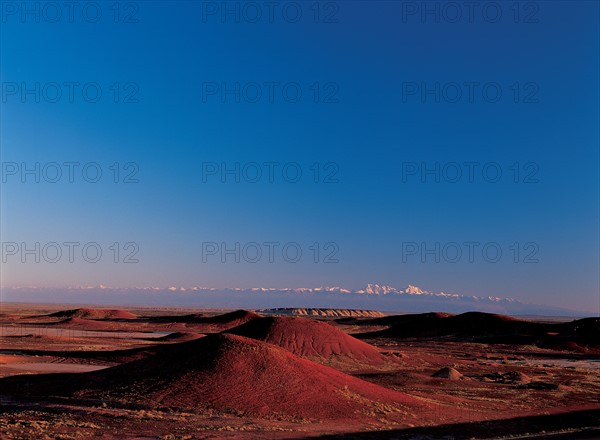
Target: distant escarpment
x=333, y=313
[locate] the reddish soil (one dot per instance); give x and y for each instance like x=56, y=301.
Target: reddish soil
x=86, y=324
x=462, y=376
x=177, y=337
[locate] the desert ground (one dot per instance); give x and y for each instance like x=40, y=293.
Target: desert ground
x=88, y=372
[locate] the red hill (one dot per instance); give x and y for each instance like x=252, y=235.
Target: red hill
x=86, y=313
x=231, y=374
x=470, y=325
x=224, y=321
x=218, y=323
x=311, y=339
x=232, y=318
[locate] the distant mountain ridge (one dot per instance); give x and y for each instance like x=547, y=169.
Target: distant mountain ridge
x=379, y=297
x=376, y=289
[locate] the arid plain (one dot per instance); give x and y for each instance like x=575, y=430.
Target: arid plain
x=77, y=373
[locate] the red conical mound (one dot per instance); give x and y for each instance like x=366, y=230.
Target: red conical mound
x=312, y=339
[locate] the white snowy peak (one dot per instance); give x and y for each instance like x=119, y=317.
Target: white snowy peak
x=414, y=290
x=376, y=289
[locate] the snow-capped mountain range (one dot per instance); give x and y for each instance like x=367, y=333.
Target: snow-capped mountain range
x=373, y=296
x=376, y=289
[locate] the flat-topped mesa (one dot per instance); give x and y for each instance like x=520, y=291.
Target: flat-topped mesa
x=333, y=313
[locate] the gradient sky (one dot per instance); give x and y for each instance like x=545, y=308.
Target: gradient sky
x=371, y=133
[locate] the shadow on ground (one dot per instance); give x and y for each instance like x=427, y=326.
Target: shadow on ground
x=576, y=425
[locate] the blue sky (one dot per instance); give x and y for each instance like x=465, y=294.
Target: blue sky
x=366, y=137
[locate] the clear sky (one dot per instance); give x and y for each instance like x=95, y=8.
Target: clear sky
x=360, y=97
